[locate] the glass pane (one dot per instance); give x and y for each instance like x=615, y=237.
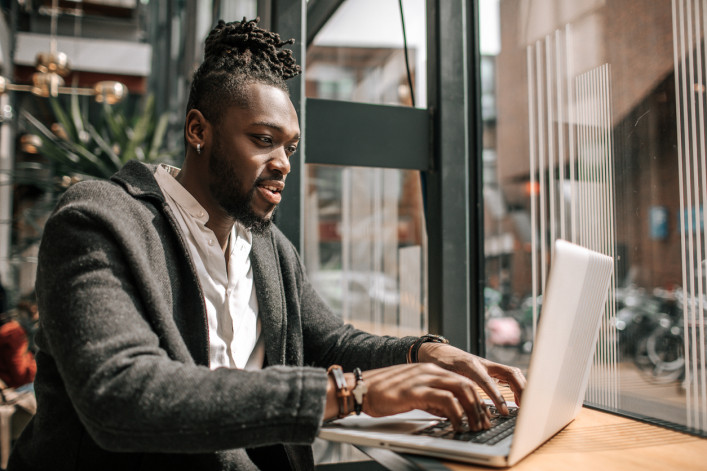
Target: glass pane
x=364, y=230
x=359, y=54
x=594, y=131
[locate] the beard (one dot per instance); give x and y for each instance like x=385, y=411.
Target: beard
x=230, y=192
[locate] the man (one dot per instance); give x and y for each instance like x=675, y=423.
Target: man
x=178, y=328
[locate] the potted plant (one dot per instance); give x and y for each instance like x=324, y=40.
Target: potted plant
x=99, y=147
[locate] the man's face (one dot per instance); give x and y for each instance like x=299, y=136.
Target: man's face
x=250, y=155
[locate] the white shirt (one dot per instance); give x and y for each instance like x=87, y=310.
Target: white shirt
x=231, y=304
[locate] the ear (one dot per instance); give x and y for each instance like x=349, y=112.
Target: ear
x=197, y=129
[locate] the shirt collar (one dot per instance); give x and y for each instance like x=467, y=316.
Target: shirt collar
x=165, y=177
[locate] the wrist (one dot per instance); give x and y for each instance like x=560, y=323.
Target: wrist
x=331, y=406
x=427, y=352
x=422, y=345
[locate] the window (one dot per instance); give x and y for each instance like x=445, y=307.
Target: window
x=364, y=231
x=597, y=135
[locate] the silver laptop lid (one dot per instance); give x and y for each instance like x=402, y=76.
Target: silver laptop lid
x=572, y=308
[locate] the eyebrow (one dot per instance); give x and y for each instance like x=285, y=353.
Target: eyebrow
x=274, y=126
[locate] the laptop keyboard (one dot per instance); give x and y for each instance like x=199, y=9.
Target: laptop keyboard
x=502, y=426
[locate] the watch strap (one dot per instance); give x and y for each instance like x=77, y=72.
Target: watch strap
x=343, y=395
x=415, y=347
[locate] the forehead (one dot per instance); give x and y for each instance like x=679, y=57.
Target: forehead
x=264, y=104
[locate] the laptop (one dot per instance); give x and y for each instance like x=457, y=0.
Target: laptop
x=568, y=328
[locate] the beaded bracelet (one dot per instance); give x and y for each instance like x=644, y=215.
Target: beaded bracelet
x=359, y=391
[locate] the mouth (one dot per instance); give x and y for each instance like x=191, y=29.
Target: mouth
x=271, y=190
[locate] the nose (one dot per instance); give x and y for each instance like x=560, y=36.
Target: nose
x=280, y=161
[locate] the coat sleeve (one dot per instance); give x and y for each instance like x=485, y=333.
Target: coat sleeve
x=103, y=335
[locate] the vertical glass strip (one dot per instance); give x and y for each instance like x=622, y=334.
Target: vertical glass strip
x=699, y=94
x=551, y=164
x=533, y=182
x=571, y=129
x=681, y=181
x=559, y=69
x=696, y=193
x=611, y=249
x=346, y=238
x=596, y=212
x=688, y=34
x=541, y=165
x=692, y=223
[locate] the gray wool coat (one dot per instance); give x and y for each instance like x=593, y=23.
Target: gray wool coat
x=123, y=381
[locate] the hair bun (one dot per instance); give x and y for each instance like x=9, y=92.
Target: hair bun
x=236, y=53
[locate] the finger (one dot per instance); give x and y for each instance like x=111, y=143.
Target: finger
x=516, y=380
x=509, y=375
x=518, y=387
x=443, y=402
x=476, y=409
x=488, y=384
x=466, y=393
x=462, y=390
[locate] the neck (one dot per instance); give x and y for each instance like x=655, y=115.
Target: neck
x=219, y=221
x=222, y=228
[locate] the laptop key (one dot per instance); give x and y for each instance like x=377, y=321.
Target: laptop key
x=501, y=427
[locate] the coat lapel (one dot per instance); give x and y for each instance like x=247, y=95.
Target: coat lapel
x=268, y=285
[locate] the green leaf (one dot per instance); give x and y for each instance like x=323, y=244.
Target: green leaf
x=63, y=119
x=116, y=125
x=99, y=147
x=76, y=115
x=141, y=130
x=50, y=143
x=71, y=156
x=102, y=169
x=105, y=147
x=158, y=137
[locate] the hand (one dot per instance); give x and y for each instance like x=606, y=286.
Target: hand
x=402, y=388
x=483, y=372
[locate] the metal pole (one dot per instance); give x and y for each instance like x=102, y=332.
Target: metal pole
x=452, y=260
x=7, y=152
x=289, y=20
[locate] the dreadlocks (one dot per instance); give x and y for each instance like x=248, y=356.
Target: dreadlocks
x=237, y=54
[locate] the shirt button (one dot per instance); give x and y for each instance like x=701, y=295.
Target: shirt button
x=211, y=242
x=201, y=214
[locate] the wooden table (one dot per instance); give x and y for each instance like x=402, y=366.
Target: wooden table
x=594, y=441
x=598, y=441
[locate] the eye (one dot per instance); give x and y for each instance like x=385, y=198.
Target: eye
x=264, y=140
x=291, y=149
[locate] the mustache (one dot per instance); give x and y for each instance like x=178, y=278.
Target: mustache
x=277, y=180
x=277, y=177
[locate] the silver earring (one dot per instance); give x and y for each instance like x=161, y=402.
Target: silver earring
x=198, y=148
